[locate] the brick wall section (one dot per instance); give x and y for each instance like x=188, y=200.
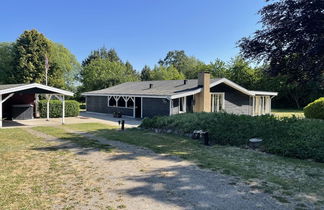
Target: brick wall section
x=236, y=102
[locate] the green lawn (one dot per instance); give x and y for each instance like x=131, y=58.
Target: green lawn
x=287, y=179
x=288, y=113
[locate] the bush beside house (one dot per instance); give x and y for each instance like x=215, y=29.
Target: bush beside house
x=315, y=109
x=291, y=137
x=72, y=108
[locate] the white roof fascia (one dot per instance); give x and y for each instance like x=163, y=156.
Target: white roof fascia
x=265, y=93
x=35, y=85
x=130, y=95
x=233, y=85
x=188, y=93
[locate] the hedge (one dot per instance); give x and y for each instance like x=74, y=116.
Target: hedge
x=315, y=109
x=72, y=108
x=292, y=137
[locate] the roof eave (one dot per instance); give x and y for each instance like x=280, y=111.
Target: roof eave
x=36, y=85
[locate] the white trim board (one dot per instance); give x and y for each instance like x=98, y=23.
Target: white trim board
x=36, y=85
x=123, y=95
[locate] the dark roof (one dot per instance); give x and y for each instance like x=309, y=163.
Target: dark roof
x=160, y=88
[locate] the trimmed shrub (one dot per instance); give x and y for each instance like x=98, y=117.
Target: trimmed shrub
x=72, y=108
x=292, y=137
x=315, y=109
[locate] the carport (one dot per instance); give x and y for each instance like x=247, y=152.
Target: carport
x=23, y=96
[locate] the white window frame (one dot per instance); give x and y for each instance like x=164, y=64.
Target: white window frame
x=184, y=104
x=213, y=94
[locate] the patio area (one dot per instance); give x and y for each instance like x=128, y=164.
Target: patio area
x=85, y=117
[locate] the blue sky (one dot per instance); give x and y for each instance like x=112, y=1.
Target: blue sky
x=141, y=31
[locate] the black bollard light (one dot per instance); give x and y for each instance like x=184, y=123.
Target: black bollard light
x=206, y=139
x=122, y=125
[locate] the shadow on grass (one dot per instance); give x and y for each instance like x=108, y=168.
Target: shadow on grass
x=169, y=180
x=69, y=141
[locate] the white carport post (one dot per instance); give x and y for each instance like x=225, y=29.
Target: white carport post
x=63, y=110
x=48, y=97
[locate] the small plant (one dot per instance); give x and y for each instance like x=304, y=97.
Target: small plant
x=315, y=109
x=117, y=114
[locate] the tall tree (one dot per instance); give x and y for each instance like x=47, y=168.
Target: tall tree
x=218, y=69
x=102, y=53
x=7, y=55
x=31, y=48
x=291, y=41
x=188, y=66
x=165, y=73
x=240, y=71
x=64, y=67
x=145, y=73
x=24, y=62
x=102, y=73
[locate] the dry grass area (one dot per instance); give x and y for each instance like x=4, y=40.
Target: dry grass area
x=289, y=180
x=288, y=113
x=38, y=174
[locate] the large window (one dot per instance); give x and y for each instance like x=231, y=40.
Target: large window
x=121, y=101
x=261, y=105
x=217, y=102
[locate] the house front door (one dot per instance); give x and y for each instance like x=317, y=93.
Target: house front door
x=138, y=107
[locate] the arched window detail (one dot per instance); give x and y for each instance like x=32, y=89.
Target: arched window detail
x=111, y=101
x=121, y=102
x=130, y=103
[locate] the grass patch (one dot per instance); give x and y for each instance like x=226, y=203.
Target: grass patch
x=30, y=178
x=74, y=138
x=286, y=178
x=281, y=113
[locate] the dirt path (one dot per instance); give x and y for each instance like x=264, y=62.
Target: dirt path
x=131, y=177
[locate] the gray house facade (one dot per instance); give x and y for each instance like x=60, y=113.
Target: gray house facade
x=169, y=97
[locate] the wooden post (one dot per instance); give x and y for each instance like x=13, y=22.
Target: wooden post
x=63, y=110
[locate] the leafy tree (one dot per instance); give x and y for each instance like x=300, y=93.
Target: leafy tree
x=218, y=69
x=145, y=73
x=31, y=48
x=24, y=61
x=189, y=66
x=292, y=43
x=240, y=71
x=102, y=53
x=165, y=73
x=64, y=67
x=7, y=55
x=102, y=73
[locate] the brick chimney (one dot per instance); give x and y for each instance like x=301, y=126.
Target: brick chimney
x=203, y=99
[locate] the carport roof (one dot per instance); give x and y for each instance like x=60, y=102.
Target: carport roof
x=38, y=88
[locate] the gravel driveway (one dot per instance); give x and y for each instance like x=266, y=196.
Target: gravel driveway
x=132, y=177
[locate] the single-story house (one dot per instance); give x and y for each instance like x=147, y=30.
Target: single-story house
x=169, y=97
x=17, y=101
